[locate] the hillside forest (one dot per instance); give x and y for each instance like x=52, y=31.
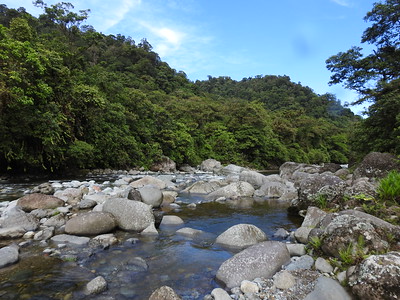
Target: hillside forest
x=74, y=98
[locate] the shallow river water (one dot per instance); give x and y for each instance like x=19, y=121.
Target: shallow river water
x=138, y=264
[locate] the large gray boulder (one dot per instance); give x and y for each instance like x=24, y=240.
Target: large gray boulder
x=328, y=289
x=8, y=256
x=91, y=223
x=151, y=195
x=39, y=201
x=72, y=195
x=241, y=236
x=256, y=179
x=129, y=214
x=43, y=188
x=232, y=170
x=377, y=277
x=233, y=190
x=164, y=165
x=261, y=260
x=376, y=165
x=203, y=187
x=148, y=180
x=210, y=165
x=16, y=217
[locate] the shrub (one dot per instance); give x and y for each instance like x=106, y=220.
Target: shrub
x=389, y=187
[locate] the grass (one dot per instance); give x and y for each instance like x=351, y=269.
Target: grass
x=389, y=187
x=322, y=201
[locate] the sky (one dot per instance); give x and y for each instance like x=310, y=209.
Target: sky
x=238, y=39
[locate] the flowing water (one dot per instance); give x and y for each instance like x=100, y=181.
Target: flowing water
x=138, y=264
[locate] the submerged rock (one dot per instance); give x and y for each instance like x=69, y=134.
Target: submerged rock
x=96, y=285
x=8, y=256
x=164, y=293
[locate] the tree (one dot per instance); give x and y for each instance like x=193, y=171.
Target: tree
x=375, y=77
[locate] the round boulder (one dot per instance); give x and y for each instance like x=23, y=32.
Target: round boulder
x=130, y=215
x=91, y=223
x=241, y=236
x=151, y=196
x=39, y=201
x=233, y=190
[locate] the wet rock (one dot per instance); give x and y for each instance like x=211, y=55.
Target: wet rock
x=304, y=262
x=16, y=217
x=203, y=187
x=327, y=288
x=148, y=180
x=376, y=165
x=261, y=260
x=130, y=215
x=104, y=240
x=150, y=230
x=164, y=293
x=171, y=220
x=220, y=294
x=39, y=201
x=96, y=285
x=8, y=255
x=71, y=239
x=90, y=223
x=241, y=236
x=169, y=197
x=377, y=277
x=151, y=195
x=281, y=233
x=210, y=165
x=233, y=190
x=256, y=179
x=189, y=232
x=284, y=280
x=44, y=234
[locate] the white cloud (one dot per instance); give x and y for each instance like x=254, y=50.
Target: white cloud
x=342, y=2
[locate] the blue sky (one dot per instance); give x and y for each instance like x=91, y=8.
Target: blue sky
x=236, y=38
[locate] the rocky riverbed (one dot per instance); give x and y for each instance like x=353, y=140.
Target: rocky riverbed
x=108, y=238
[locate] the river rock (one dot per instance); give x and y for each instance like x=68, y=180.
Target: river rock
x=164, y=293
x=151, y=195
x=168, y=197
x=171, y=220
x=232, y=169
x=256, y=179
x=304, y=262
x=327, y=288
x=71, y=239
x=271, y=189
x=296, y=249
x=210, y=165
x=90, y=223
x=12, y=232
x=56, y=221
x=96, y=285
x=150, y=230
x=203, y=187
x=39, y=201
x=376, y=165
x=130, y=215
x=249, y=287
x=8, y=255
x=72, y=195
x=148, y=180
x=241, y=236
x=260, y=260
x=44, y=188
x=164, y=165
x=104, y=240
x=87, y=203
x=189, y=232
x=377, y=277
x=99, y=198
x=44, y=234
x=16, y=217
x=284, y=280
x=220, y=294
x=323, y=265
x=233, y=190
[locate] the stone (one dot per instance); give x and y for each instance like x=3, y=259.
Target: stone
x=96, y=285
x=220, y=294
x=16, y=217
x=164, y=165
x=284, y=280
x=376, y=165
x=210, y=165
x=296, y=249
x=313, y=217
x=241, y=236
x=151, y=195
x=203, y=187
x=44, y=234
x=256, y=179
x=8, y=255
x=71, y=195
x=377, y=277
x=281, y=233
x=99, y=198
x=87, y=203
x=233, y=190
x=301, y=234
x=168, y=197
x=130, y=215
x=171, y=220
x=232, y=169
x=56, y=221
x=304, y=262
x=71, y=239
x=329, y=289
x=91, y=223
x=150, y=230
x=104, y=240
x=164, y=293
x=44, y=188
x=189, y=232
x=323, y=265
x=39, y=201
x=12, y=232
x=272, y=189
x=148, y=180
x=260, y=260
x=248, y=287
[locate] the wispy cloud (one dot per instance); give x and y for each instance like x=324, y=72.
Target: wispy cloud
x=342, y=2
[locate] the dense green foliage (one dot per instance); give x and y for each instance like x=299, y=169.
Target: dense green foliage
x=376, y=77
x=389, y=187
x=71, y=97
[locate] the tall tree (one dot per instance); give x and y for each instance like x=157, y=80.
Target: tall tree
x=376, y=77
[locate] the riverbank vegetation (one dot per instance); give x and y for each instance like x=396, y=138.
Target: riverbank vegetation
x=73, y=98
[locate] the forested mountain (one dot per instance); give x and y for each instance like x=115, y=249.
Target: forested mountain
x=71, y=97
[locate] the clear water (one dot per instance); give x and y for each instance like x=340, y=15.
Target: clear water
x=187, y=265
